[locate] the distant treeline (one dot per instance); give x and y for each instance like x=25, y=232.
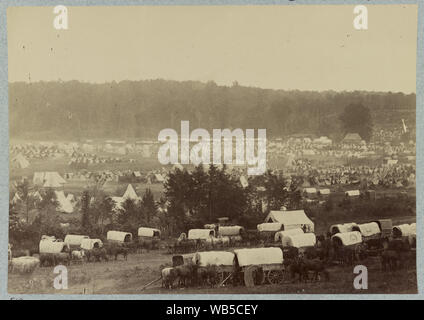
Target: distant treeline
x=140, y=109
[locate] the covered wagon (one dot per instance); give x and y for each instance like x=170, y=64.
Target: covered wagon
x=368, y=230
x=230, y=231
x=74, y=240
x=342, y=228
x=347, y=246
x=258, y=265
x=148, y=238
x=403, y=230
x=53, y=246
x=119, y=237
x=347, y=239
x=299, y=241
x=89, y=244
x=281, y=234
x=149, y=232
x=223, y=261
x=267, y=230
x=200, y=234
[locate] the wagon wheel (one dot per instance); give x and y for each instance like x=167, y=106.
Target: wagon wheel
x=275, y=276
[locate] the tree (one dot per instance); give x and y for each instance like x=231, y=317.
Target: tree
x=85, y=211
x=356, y=118
x=149, y=205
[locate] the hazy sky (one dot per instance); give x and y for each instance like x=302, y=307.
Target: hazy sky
x=281, y=47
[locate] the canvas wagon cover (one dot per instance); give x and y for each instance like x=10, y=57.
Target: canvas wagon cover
x=299, y=240
x=272, y=226
x=259, y=256
x=74, y=239
x=216, y=258
x=147, y=232
x=368, y=229
x=51, y=246
x=230, y=230
x=405, y=229
x=281, y=234
x=343, y=228
x=200, y=234
x=88, y=244
x=349, y=238
x=118, y=235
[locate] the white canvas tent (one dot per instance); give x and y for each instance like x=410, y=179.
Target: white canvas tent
x=291, y=219
x=64, y=204
x=130, y=194
x=20, y=162
x=48, y=179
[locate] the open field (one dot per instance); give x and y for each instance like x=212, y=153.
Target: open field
x=129, y=277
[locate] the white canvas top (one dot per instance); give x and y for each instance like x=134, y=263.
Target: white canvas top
x=281, y=234
x=272, y=226
x=229, y=230
x=349, y=238
x=259, y=256
x=74, y=239
x=217, y=258
x=352, y=193
x=369, y=229
x=147, y=232
x=299, y=240
x=200, y=234
x=118, y=235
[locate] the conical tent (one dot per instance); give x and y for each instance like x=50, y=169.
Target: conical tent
x=130, y=193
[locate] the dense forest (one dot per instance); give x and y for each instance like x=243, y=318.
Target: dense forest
x=140, y=109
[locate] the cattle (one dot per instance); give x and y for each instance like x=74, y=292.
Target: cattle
x=78, y=256
x=207, y=275
x=99, y=254
x=24, y=264
x=186, y=274
x=47, y=259
x=317, y=266
x=115, y=250
x=169, y=275
x=389, y=260
x=62, y=258
x=295, y=267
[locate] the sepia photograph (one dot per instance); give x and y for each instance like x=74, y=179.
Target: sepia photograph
x=199, y=149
